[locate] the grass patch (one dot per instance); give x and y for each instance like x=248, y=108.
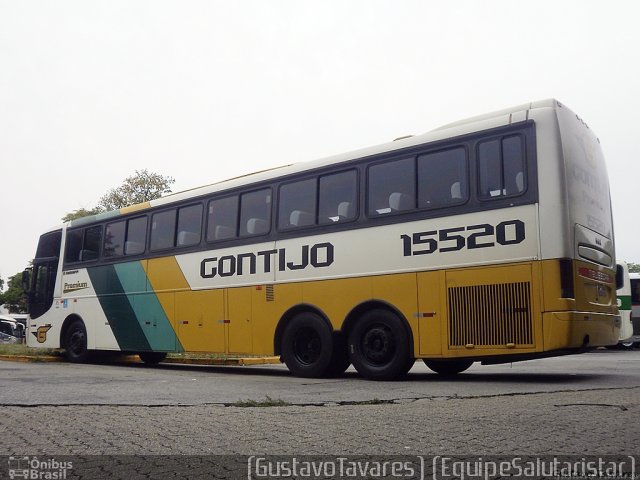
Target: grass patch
x=267, y=402
x=21, y=349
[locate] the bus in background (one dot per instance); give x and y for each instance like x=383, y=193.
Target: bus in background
x=634, y=278
x=623, y=283
x=486, y=240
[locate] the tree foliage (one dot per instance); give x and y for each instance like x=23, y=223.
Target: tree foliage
x=140, y=187
x=14, y=299
x=634, y=267
x=81, y=212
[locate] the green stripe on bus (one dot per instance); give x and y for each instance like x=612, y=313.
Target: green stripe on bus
x=149, y=312
x=624, y=302
x=117, y=309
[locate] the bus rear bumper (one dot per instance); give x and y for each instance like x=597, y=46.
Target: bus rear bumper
x=579, y=329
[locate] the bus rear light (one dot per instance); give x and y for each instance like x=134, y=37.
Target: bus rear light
x=596, y=275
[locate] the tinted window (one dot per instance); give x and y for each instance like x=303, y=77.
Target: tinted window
x=442, y=178
x=136, y=236
x=255, y=212
x=74, y=246
x=223, y=219
x=92, y=241
x=49, y=245
x=297, y=204
x=392, y=187
x=635, y=291
x=163, y=230
x=189, y=225
x=513, y=164
x=338, y=197
x=501, y=167
x=114, y=239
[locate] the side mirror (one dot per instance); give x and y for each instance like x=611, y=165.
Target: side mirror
x=26, y=280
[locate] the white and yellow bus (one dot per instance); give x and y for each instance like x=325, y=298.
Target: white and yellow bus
x=486, y=240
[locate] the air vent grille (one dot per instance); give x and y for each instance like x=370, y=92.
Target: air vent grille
x=490, y=315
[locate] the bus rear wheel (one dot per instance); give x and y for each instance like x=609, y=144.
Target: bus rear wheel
x=75, y=343
x=307, y=346
x=448, y=367
x=152, y=358
x=379, y=346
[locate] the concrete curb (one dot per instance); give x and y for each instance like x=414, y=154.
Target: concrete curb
x=241, y=361
x=31, y=358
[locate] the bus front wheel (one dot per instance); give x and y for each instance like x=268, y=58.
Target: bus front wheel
x=379, y=346
x=75, y=343
x=448, y=367
x=307, y=346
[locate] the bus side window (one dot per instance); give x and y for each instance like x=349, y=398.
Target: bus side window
x=73, y=247
x=91, y=245
x=136, y=236
x=442, y=178
x=512, y=160
x=189, y=225
x=163, y=230
x=297, y=204
x=114, y=239
x=391, y=187
x=338, y=193
x=501, y=167
x=222, y=219
x=255, y=212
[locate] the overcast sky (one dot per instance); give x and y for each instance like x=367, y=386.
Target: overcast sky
x=206, y=90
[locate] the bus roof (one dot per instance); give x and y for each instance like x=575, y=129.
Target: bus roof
x=469, y=125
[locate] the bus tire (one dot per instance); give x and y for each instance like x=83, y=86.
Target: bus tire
x=307, y=346
x=152, y=358
x=75, y=343
x=340, y=357
x=379, y=346
x=448, y=368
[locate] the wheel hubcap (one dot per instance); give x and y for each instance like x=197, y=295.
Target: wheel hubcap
x=307, y=346
x=77, y=342
x=378, y=344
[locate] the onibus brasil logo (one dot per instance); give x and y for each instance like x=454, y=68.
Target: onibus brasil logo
x=33, y=468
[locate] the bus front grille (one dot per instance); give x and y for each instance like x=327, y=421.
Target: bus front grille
x=490, y=316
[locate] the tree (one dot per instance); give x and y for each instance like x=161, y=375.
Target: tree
x=141, y=187
x=1, y=285
x=81, y=212
x=138, y=188
x=634, y=267
x=14, y=299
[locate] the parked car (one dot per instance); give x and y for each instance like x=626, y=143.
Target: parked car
x=12, y=327
x=9, y=339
